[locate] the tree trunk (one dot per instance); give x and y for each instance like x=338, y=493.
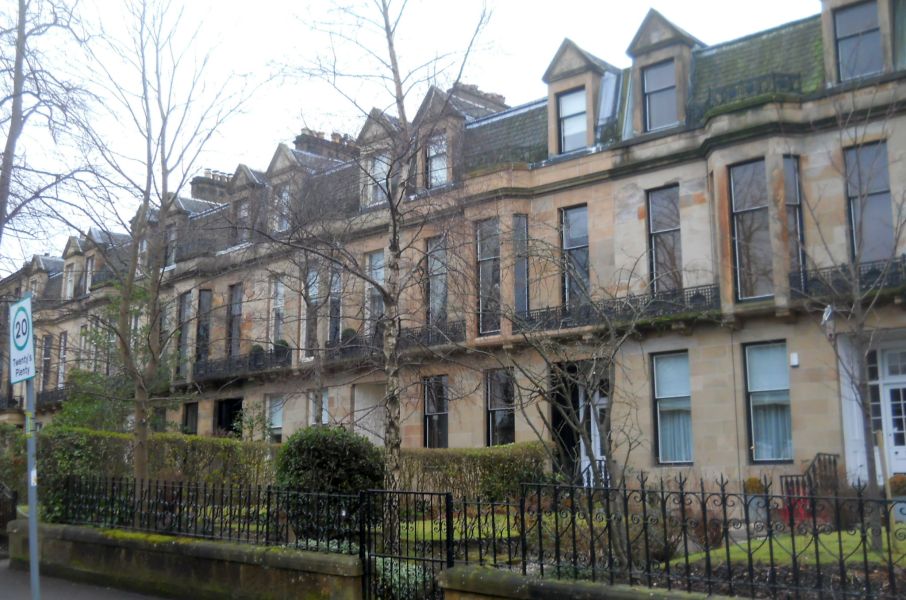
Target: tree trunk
x=140, y=431
x=16, y=120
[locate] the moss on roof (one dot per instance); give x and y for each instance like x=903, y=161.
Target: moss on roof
x=795, y=48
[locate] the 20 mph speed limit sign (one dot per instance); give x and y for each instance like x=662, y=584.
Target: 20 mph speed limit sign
x=21, y=342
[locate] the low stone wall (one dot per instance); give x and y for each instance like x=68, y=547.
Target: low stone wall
x=187, y=568
x=484, y=583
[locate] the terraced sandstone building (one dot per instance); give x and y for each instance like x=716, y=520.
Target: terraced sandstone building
x=712, y=200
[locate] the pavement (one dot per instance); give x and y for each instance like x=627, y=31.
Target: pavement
x=14, y=586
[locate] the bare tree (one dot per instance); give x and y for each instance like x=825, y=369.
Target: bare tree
x=157, y=92
x=34, y=94
x=381, y=179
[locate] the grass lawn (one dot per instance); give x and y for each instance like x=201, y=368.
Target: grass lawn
x=831, y=546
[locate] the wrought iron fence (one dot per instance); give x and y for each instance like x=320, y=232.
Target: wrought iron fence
x=251, y=514
x=673, y=534
x=45, y=399
x=684, y=301
x=10, y=402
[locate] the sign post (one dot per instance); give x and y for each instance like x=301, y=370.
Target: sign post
x=22, y=368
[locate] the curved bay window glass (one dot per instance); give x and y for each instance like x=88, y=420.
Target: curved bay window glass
x=501, y=407
x=437, y=281
x=574, y=226
x=436, y=408
x=488, y=238
x=751, y=231
x=664, y=239
x=871, y=212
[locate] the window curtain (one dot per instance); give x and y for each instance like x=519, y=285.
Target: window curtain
x=671, y=383
x=769, y=395
x=675, y=419
x=772, y=429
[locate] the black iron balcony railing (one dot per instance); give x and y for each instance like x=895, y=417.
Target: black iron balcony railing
x=843, y=280
x=361, y=346
x=242, y=364
x=433, y=335
x=46, y=399
x=669, y=303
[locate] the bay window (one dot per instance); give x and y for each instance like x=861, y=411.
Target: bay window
x=488, y=238
x=751, y=230
x=664, y=244
x=871, y=212
x=574, y=237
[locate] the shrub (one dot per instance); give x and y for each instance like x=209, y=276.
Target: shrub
x=329, y=459
x=492, y=473
x=12, y=458
x=753, y=485
x=398, y=579
x=897, y=485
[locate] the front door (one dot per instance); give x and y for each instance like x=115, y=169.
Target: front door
x=894, y=413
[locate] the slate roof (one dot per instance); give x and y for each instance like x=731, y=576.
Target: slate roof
x=195, y=205
x=51, y=264
x=794, y=48
x=515, y=135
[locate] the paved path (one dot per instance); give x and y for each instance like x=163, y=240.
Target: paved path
x=14, y=586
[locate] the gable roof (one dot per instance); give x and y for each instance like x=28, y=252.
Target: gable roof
x=378, y=125
x=570, y=59
x=657, y=32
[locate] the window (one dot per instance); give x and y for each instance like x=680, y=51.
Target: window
x=241, y=224
x=488, y=236
x=84, y=359
x=858, y=40
x=89, y=274
x=436, y=161
x=275, y=417
x=572, y=122
x=794, y=232
x=768, y=392
x=61, y=363
x=751, y=235
x=282, y=209
x=318, y=410
x=664, y=244
x=378, y=190
x=203, y=326
x=334, y=308
x=68, y=281
x=374, y=301
x=437, y=281
x=574, y=228
x=46, y=357
x=871, y=213
x=234, y=321
x=673, y=407
x=33, y=286
x=659, y=90
x=228, y=417
x=170, y=250
x=500, y=392
x=163, y=330
x=521, y=266
x=190, y=418
x=183, y=308
x=278, y=292
x=159, y=419
x=874, y=390
x=312, y=300
x=143, y=252
x=436, y=406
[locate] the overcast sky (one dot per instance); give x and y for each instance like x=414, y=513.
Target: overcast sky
x=510, y=58
x=513, y=53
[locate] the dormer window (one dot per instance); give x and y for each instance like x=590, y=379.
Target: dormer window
x=858, y=40
x=89, y=273
x=436, y=162
x=281, y=209
x=659, y=90
x=241, y=227
x=379, y=180
x=571, y=120
x=68, y=281
x=170, y=250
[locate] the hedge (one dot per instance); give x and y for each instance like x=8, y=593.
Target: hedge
x=491, y=473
